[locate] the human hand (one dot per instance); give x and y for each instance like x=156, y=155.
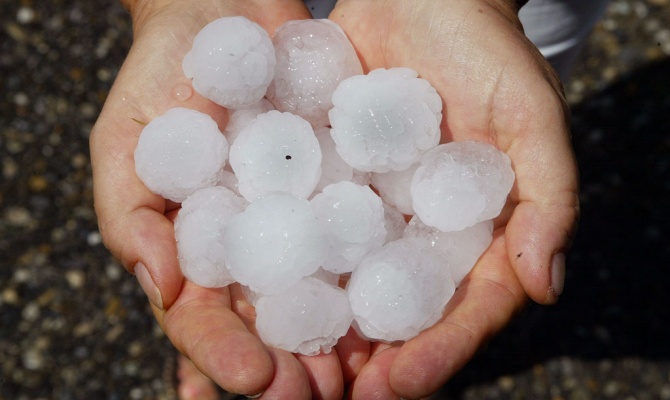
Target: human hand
x=213, y=327
x=496, y=88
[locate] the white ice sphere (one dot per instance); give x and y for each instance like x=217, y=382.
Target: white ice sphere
x=395, y=223
x=231, y=62
x=313, y=57
x=333, y=167
x=238, y=119
x=399, y=290
x=276, y=152
x=199, y=229
x=462, y=248
x=353, y=218
x=385, y=120
x=461, y=183
x=180, y=152
x=394, y=188
x=274, y=243
x=308, y=318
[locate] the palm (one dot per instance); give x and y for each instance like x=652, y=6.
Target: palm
x=496, y=88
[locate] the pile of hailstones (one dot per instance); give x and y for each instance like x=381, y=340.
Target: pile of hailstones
x=324, y=163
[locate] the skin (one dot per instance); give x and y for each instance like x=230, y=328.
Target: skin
x=496, y=88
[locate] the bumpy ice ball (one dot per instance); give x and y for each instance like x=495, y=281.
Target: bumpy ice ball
x=307, y=318
x=353, y=218
x=461, y=183
x=274, y=243
x=231, y=62
x=399, y=290
x=180, y=152
x=276, y=152
x=385, y=120
x=199, y=229
x=313, y=57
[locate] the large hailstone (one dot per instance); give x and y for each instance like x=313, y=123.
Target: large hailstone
x=460, y=184
x=461, y=248
x=307, y=318
x=353, y=218
x=274, y=243
x=276, y=152
x=199, y=229
x=231, y=62
x=399, y=290
x=313, y=57
x=180, y=152
x=385, y=120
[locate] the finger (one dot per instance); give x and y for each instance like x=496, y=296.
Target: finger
x=290, y=380
x=542, y=225
x=353, y=352
x=201, y=325
x=373, y=380
x=482, y=305
x=324, y=374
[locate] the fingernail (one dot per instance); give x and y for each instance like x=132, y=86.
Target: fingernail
x=557, y=273
x=148, y=285
x=255, y=396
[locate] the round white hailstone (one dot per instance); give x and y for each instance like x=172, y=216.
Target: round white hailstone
x=462, y=248
x=308, y=318
x=394, y=222
x=231, y=62
x=274, y=243
x=313, y=57
x=333, y=167
x=461, y=183
x=276, y=152
x=385, y=120
x=399, y=290
x=238, y=119
x=394, y=188
x=353, y=217
x=180, y=152
x=199, y=228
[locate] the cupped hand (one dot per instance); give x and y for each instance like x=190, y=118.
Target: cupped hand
x=210, y=326
x=496, y=88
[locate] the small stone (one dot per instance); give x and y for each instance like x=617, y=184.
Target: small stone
x=25, y=15
x=75, y=279
x=38, y=183
x=33, y=359
x=94, y=238
x=21, y=99
x=10, y=296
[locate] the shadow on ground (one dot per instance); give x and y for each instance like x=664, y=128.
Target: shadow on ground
x=616, y=293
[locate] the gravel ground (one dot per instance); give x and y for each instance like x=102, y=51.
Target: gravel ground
x=74, y=325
